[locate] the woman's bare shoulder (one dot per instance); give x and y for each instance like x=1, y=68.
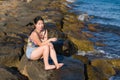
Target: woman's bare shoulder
x=33, y=34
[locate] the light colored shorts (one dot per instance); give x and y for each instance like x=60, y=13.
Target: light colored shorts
x=29, y=51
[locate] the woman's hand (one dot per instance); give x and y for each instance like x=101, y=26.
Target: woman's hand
x=53, y=39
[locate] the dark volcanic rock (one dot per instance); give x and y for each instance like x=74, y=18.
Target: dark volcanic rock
x=72, y=70
x=7, y=73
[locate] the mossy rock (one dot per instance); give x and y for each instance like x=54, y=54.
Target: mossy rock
x=81, y=58
x=94, y=74
x=88, y=35
x=115, y=63
x=104, y=67
x=99, y=44
x=92, y=27
x=83, y=45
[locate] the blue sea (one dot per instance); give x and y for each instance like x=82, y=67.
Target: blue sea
x=105, y=11
x=107, y=14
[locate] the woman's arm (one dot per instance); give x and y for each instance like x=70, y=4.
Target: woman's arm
x=46, y=35
x=46, y=40
x=35, y=37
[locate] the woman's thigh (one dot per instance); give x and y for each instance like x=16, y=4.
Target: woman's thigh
x=37, y=53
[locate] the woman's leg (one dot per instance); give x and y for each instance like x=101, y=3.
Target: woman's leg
x=46, y=60
x=42, y=51
x=37, y=53
x=54, y=56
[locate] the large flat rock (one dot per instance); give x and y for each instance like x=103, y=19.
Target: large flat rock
x=72, y=70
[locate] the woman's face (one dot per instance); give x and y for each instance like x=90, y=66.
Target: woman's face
x=39, y=25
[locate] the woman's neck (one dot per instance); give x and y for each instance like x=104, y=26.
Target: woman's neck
x=39, y=31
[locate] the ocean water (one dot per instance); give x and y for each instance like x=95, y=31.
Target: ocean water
x=106, y=13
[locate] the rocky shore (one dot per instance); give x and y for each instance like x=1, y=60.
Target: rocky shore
x=16, y=18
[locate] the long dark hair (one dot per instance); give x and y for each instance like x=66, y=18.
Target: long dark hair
x=36, y=19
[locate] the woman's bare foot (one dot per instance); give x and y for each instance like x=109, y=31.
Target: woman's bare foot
x=49, y=67
x=59, y=65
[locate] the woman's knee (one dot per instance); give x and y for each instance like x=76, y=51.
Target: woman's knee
x=46, y=47
x=50, y=45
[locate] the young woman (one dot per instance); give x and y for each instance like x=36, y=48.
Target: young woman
x=39, y=46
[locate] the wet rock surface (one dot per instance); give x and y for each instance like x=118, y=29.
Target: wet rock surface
x=16, y=18
x=72, y=70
